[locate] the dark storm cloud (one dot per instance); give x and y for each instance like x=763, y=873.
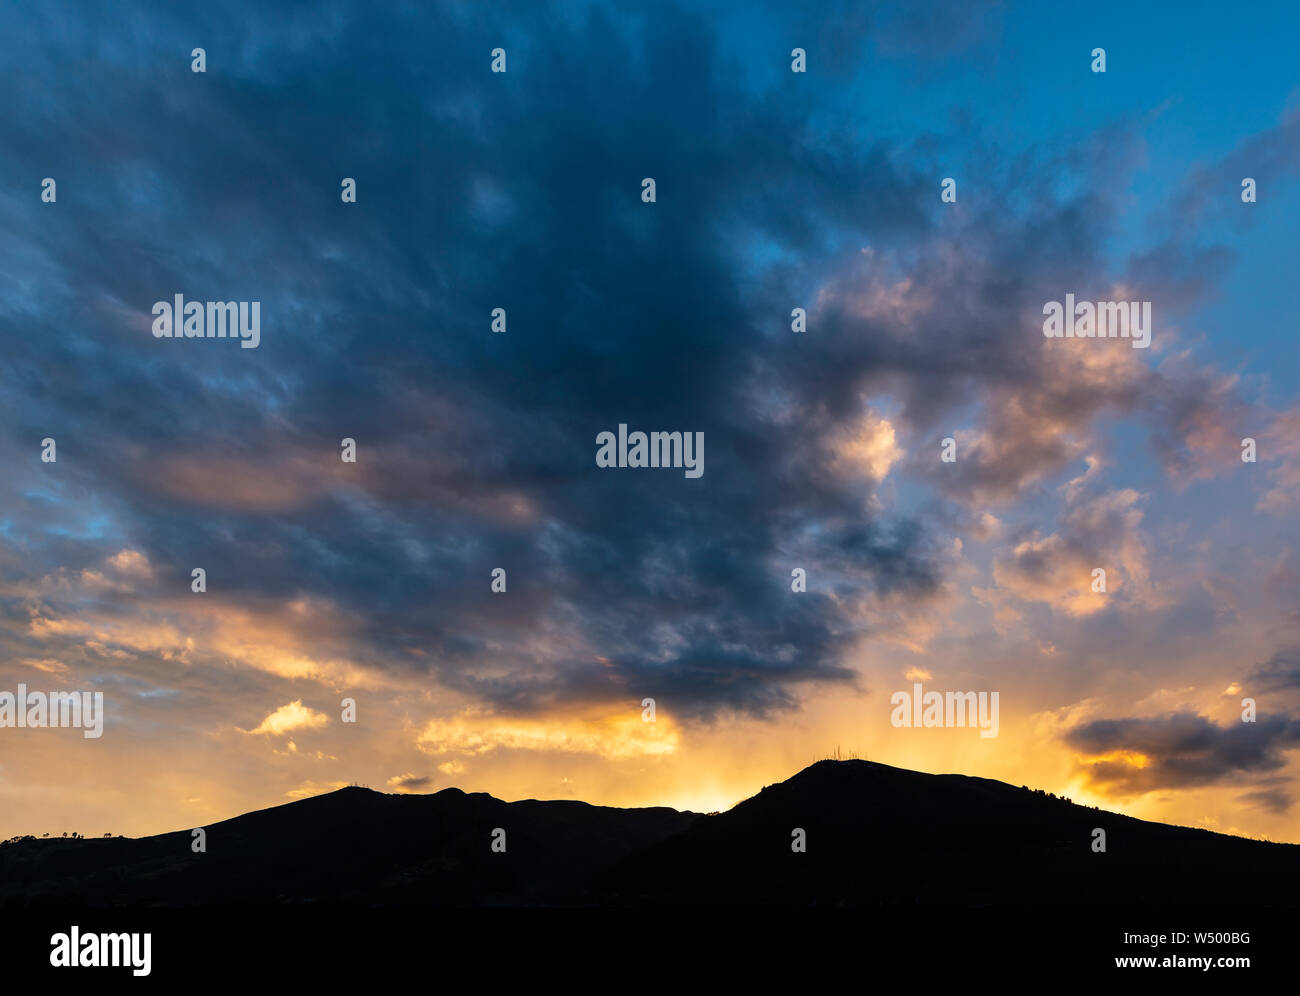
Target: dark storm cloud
x=476, y=451
x=475, y=191
x=1183, y=750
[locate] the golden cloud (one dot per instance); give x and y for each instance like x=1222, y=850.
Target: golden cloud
x=291, y=716
x=610, y=737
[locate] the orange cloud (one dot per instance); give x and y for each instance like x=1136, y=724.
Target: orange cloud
x=291, y=716
x=611, y=737
x=870, y=448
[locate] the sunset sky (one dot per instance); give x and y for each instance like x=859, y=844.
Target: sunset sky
x=476, y=450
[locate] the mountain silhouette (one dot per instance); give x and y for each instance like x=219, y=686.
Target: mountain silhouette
x=875, y=836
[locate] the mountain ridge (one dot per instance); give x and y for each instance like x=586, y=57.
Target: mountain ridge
x=875, y=835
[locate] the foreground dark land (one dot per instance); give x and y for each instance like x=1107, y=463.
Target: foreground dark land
x=876, y=836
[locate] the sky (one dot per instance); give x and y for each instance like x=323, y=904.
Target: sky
x=372, y=581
